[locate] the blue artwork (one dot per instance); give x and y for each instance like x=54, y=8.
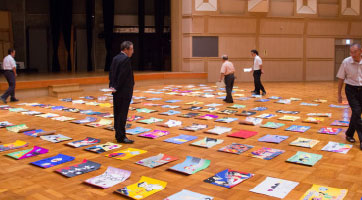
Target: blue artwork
x=296, y=128
x=53, y=161
x=181, y=139
x=33, y=133
x=137, y=130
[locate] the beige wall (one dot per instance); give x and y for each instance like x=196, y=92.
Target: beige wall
x=293, y=47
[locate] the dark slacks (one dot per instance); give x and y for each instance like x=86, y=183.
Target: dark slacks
x=354, y=96
x=257, y=82
x=229, y=84
x=121, y=102
x=10, y=77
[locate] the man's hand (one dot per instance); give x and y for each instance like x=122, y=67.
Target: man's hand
x=113, y=90
x=262, y=71
x=339, y=98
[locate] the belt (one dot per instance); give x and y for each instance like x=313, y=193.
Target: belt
x=229, y=74
x=354, y=86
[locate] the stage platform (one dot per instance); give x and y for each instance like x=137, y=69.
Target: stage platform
x=36, y=81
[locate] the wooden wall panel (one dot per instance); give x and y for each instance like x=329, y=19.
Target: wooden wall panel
x=328, y=10
x=231, y=25
x=282, y=26
x=2, y=52
x=283, y=71
x=193, y=25
x=329, y=27
x=236, y=47
x=213, y=69
x=233, y=7
x=187, y=7
x=242, y=76
x=320, y=71
x=187, y=47
x=193, y=66
x=320, y=47
x=4, y=36
x=279, y=47
x=4, y=20
x=281, y=8
x=356, y=28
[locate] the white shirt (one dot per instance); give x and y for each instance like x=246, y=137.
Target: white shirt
x=9, y=63
x=351, y=72
x=227, y=68
x=257, y=62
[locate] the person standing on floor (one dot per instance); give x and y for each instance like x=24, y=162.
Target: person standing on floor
x=257, y=71
x=350, y=73
x=9, y=71
x=121, y=81
x=227, y=73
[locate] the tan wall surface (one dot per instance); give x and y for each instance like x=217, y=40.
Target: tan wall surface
x=293, y=47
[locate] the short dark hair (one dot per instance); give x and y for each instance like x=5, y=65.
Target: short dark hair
x=10, y=51
x=225, y=57
x=126, y=45
x=356, y=45
x=255, y=51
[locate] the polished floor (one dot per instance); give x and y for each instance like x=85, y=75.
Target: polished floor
x=20, y=180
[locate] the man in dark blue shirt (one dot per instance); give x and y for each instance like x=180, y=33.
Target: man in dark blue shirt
x=121, y=81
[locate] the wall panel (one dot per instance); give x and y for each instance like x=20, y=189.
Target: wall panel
x=279, y=47
x=327, y=28
x=283, y=71
x=320, y=71
x=320, y=47
x=231, y=25
x=236, y=47
x=281, y=26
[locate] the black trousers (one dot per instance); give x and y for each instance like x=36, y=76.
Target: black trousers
x=10, y=77
x=121, y=102
x=257, y=82
x=229, y=84
x=354, y=96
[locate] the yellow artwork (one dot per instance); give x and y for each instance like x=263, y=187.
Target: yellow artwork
x=324, y=193
x=143, y=188
x=126, y=153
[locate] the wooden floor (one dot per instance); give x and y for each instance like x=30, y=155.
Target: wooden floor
x=20, y=180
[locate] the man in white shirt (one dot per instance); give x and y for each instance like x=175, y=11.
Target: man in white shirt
x=9, y=71
x=257, y=71
x=227, y=73
x=350, y=73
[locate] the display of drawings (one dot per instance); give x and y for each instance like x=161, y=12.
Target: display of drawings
x=85, y=142
x=111, y=177
x=19, y=155
x=192, y=111
x=143, y=188
x=53, y=161
x=82, y=168
x=228, y=178
x=191, y=165
x=156, y=161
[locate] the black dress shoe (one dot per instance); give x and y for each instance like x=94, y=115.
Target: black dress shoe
x=14, y=100
x=350, y=139
x=3, y=100
x=263, y=94
x=224, y=99
x=253, y=91
x=229, y=101
x=126, y=141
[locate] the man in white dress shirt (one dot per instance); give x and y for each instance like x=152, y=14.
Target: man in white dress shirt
x=9, y=71
x=350, y=73
x=257, y=71
x=227, y=73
